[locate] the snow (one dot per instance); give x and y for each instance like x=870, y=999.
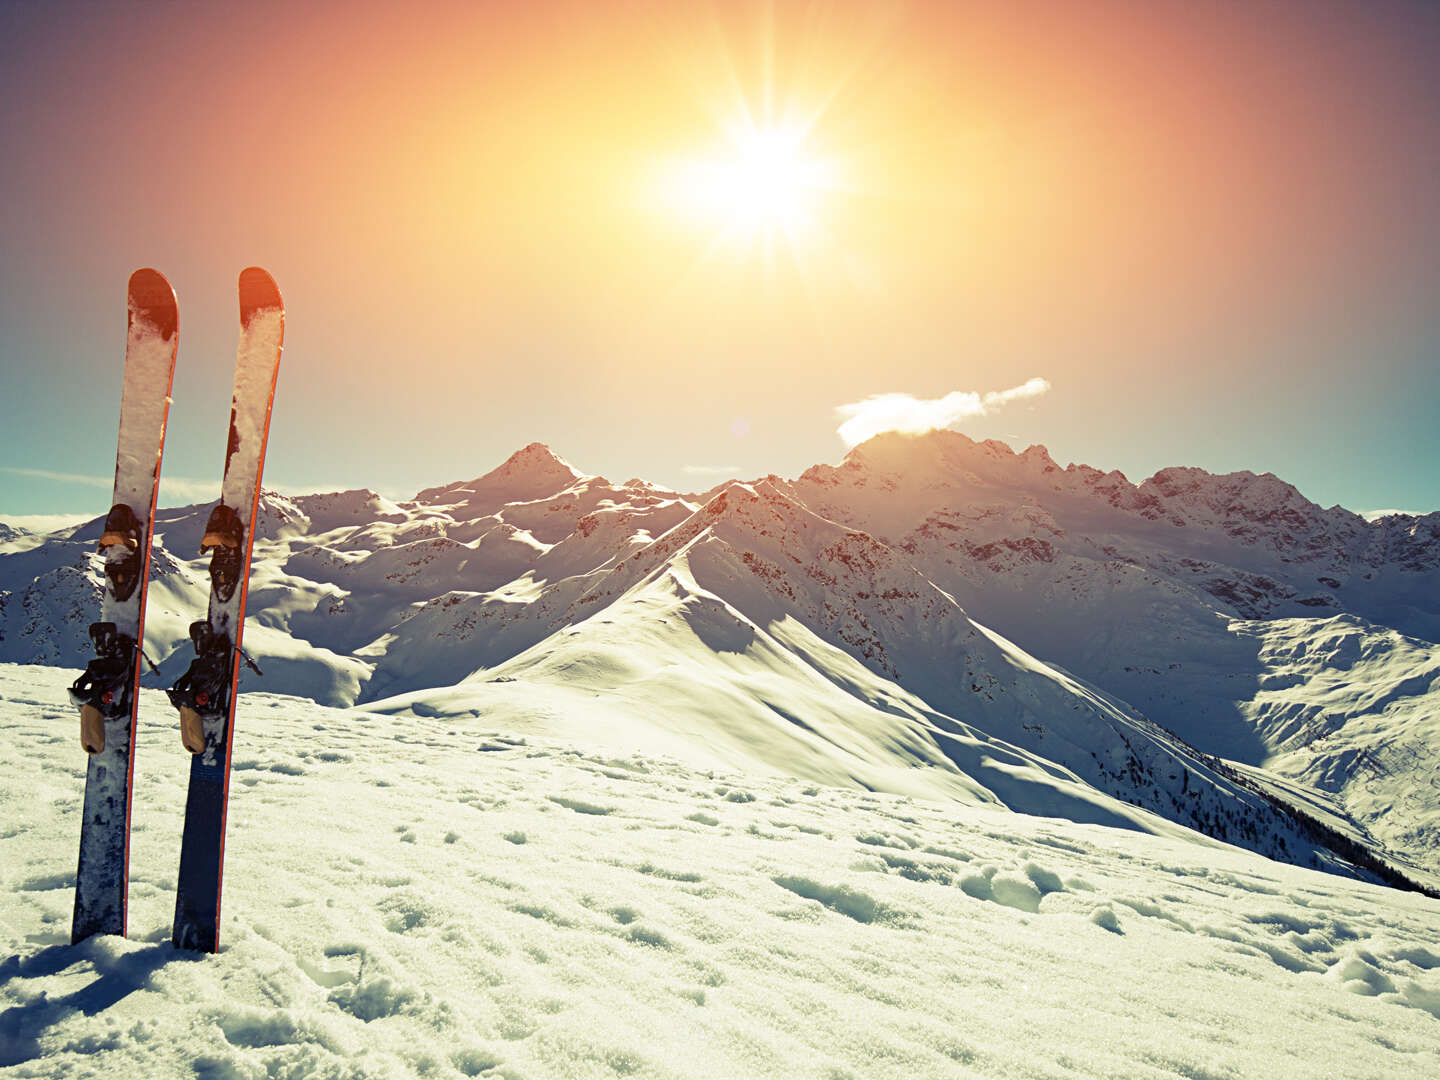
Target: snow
x=149, y=366
x=255, y=371
x=443, y=896
x=14, y=526
x=528, y=475
x=1348, y=709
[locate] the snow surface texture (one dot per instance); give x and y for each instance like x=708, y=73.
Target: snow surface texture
x=411, y=896
x=149, y=365
x=149, y=369
x=935, y=617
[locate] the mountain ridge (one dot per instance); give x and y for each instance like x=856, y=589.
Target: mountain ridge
x=1108, y=637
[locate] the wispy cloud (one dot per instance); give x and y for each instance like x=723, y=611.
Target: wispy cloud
x=711, y=470
x=59, y=477
x=171, y=487
x=904, y=412
x=177, y=490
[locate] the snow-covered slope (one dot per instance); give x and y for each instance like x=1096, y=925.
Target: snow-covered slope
x=441, y=897
x=732, y=632
x=934, y=616
x=1131, y=585
x=1348, y=709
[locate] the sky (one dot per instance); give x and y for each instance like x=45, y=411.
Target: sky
x=680, y=240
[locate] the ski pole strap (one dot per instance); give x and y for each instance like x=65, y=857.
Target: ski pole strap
x=248, y=662
x=153, y=669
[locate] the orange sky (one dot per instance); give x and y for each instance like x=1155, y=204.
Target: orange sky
x=1212, y=228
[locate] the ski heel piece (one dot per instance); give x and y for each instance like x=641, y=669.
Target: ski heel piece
x=102, y=692
x=223, y=529
x=224, y=542
x=120, y=544
x=121, y=528
x=203, y=691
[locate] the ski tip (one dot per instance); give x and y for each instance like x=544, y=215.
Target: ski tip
x=152, y=299
x=257, y=292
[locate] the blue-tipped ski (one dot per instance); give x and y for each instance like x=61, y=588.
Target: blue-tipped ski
x=205, y=694
x=107, y=693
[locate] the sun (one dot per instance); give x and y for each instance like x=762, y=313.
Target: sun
x=765, y=183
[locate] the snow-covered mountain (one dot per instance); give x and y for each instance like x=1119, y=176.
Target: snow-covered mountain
x=934, y=616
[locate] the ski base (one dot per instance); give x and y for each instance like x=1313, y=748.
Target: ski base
x=202, y=858
x=101, y=898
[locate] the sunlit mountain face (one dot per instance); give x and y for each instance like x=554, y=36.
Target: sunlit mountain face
x=935, y=616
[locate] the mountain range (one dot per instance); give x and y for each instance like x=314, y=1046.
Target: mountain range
x=935, y=617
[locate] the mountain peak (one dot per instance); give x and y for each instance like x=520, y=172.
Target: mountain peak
x=942, y=457
x=535, y=461
x=892, y=444
x=532, y=472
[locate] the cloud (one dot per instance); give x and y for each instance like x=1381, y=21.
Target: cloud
x=1028, y=389
x=173, y=488
x=59, y=477
x=711, y=470
x=182, y=487
x=174, y=491
x=1376, y=515
x=914, y=416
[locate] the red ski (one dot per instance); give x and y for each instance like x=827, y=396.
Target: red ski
x=108, y=692
x=205, y=694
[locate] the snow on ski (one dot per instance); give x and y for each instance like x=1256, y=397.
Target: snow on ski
x=205, y=694
x=107, y=693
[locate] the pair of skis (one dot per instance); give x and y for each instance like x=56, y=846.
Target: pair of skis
x=107, y=694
